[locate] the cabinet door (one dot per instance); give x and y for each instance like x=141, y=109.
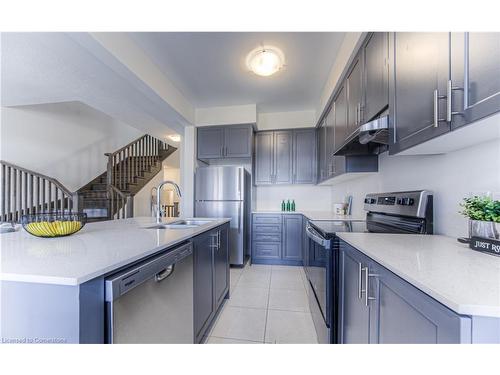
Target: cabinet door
x=292, y=237
x=304, y=156
x=340, y=119
x=406, y=315
x=330, y=141
x=376, y=75
x=354, y=91
x=420, y=71
x=475, y=73
x=264, y=158
x=283, y=157
x=210, y=142
x=322, y=164
x=238, y=141
x=203, y=282
x=221, y=265
x=355, y=316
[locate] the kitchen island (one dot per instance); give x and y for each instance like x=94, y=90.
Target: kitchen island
x=52, y=289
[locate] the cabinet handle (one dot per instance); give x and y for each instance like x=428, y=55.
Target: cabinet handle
x=367, y=285
x=436, y=108
x=449, y=94
x=360, y=270
x=221, y=152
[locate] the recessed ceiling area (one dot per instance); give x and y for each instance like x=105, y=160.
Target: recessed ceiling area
x=210, y=69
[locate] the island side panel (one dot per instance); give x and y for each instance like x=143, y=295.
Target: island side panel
x=92, y=312
x=39, y=313
x=485, y=330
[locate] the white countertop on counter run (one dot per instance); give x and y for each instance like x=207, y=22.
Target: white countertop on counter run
x=97, y=249
x=466, y=281
x=313, y=215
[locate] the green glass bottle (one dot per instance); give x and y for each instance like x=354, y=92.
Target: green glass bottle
x=283, y=205
x=288, y=205
x=293, y=205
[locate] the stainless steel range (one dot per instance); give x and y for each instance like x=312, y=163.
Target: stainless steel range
x=398, y=212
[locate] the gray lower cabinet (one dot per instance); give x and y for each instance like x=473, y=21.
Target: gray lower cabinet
x=229, y=141
x=292, y=237
x=277, y=239
x=211, y=277
x=475, y=76
x=376, y=306
x=285, y=157
x=376, y=75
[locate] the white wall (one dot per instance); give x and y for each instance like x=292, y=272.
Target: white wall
x=450, y=176
x=66, y=141
x=307, y=197
x=286, y=120
x=228, y=115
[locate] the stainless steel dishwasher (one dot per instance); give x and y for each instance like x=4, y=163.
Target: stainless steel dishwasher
x=152, y=302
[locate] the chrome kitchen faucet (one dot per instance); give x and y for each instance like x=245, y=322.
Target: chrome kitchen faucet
x=158, y=197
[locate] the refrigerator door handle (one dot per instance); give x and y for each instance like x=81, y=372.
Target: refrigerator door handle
x=239, y=184
x=239, y=217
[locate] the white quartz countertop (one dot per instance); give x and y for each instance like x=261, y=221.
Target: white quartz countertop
x=313, y=215
x=97, y=249
x=464, y=280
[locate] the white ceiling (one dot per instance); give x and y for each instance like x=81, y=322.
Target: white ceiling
x=209, y=68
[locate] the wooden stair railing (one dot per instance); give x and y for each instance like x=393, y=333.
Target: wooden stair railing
x=23, y=191
x=127, y=164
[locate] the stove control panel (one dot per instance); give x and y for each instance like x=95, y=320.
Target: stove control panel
x=405, y=203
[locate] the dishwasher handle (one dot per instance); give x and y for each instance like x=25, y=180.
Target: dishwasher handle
x=316, y=237
x=159, y=267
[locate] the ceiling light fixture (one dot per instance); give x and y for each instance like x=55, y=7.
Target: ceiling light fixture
x=265, y=61
x=174, y=137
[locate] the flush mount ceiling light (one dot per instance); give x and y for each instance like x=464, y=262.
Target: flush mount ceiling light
x=174, y=137
x=265, y=61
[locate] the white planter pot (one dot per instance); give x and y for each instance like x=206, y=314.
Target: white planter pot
x=484, y=229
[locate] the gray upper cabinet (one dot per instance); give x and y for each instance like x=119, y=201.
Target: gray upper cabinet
x=283, y=152
x=418, y=83
x=341, y=129
x=354, y=96
x=238, y=141
x=218, y=142
x=264, y=158
x=329, y=140
x=285, y=157
x=210, y=142
x=292, y=237
x=322, y=160
x=475, y=76
x=304, y=156
x=376, y=75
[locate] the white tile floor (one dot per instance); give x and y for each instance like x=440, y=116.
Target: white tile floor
x=268, y=304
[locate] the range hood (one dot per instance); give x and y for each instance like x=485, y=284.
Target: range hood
x=369, y=138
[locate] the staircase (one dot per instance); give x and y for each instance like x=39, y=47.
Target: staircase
x=109, y=196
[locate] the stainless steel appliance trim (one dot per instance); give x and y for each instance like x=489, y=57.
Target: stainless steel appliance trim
x=120, y=284
x=162, y=275
x=377, y=124
x=316, y=237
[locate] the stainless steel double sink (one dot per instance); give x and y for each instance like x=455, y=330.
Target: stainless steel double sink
x=181, y=224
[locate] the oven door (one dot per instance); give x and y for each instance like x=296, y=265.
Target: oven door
x=318, y=270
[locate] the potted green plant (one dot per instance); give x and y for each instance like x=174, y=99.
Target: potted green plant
x=484, y=216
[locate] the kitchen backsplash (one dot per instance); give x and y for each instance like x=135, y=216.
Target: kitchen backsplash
x=307, y=197
x=450, y=176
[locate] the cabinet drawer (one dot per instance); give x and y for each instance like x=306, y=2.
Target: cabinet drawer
x=267, y=237
x=267, y=228
x=266, y=250
x=267, y=219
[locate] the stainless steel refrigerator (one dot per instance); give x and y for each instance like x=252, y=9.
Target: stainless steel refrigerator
x=225, y=192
